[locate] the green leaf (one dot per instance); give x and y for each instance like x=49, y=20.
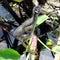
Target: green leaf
x=9, y=54
x=56, y=49
x=17, y=0
x=14, y=4
x=41, y=19
x=49, y=42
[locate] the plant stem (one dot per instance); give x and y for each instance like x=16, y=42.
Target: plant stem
x=44, y=44
x=28, y=56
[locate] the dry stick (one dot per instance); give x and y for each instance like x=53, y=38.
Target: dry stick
x=56, y=4
x=57, y=56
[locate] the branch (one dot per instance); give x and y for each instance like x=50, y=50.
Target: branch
x=56, y=4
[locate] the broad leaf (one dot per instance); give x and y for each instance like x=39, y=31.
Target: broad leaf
x=56, y=49
x=9, y=54
x=41, y=19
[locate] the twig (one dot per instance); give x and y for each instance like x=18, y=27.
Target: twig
x=56, y=4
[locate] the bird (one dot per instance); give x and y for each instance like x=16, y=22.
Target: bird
x=24, y=30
